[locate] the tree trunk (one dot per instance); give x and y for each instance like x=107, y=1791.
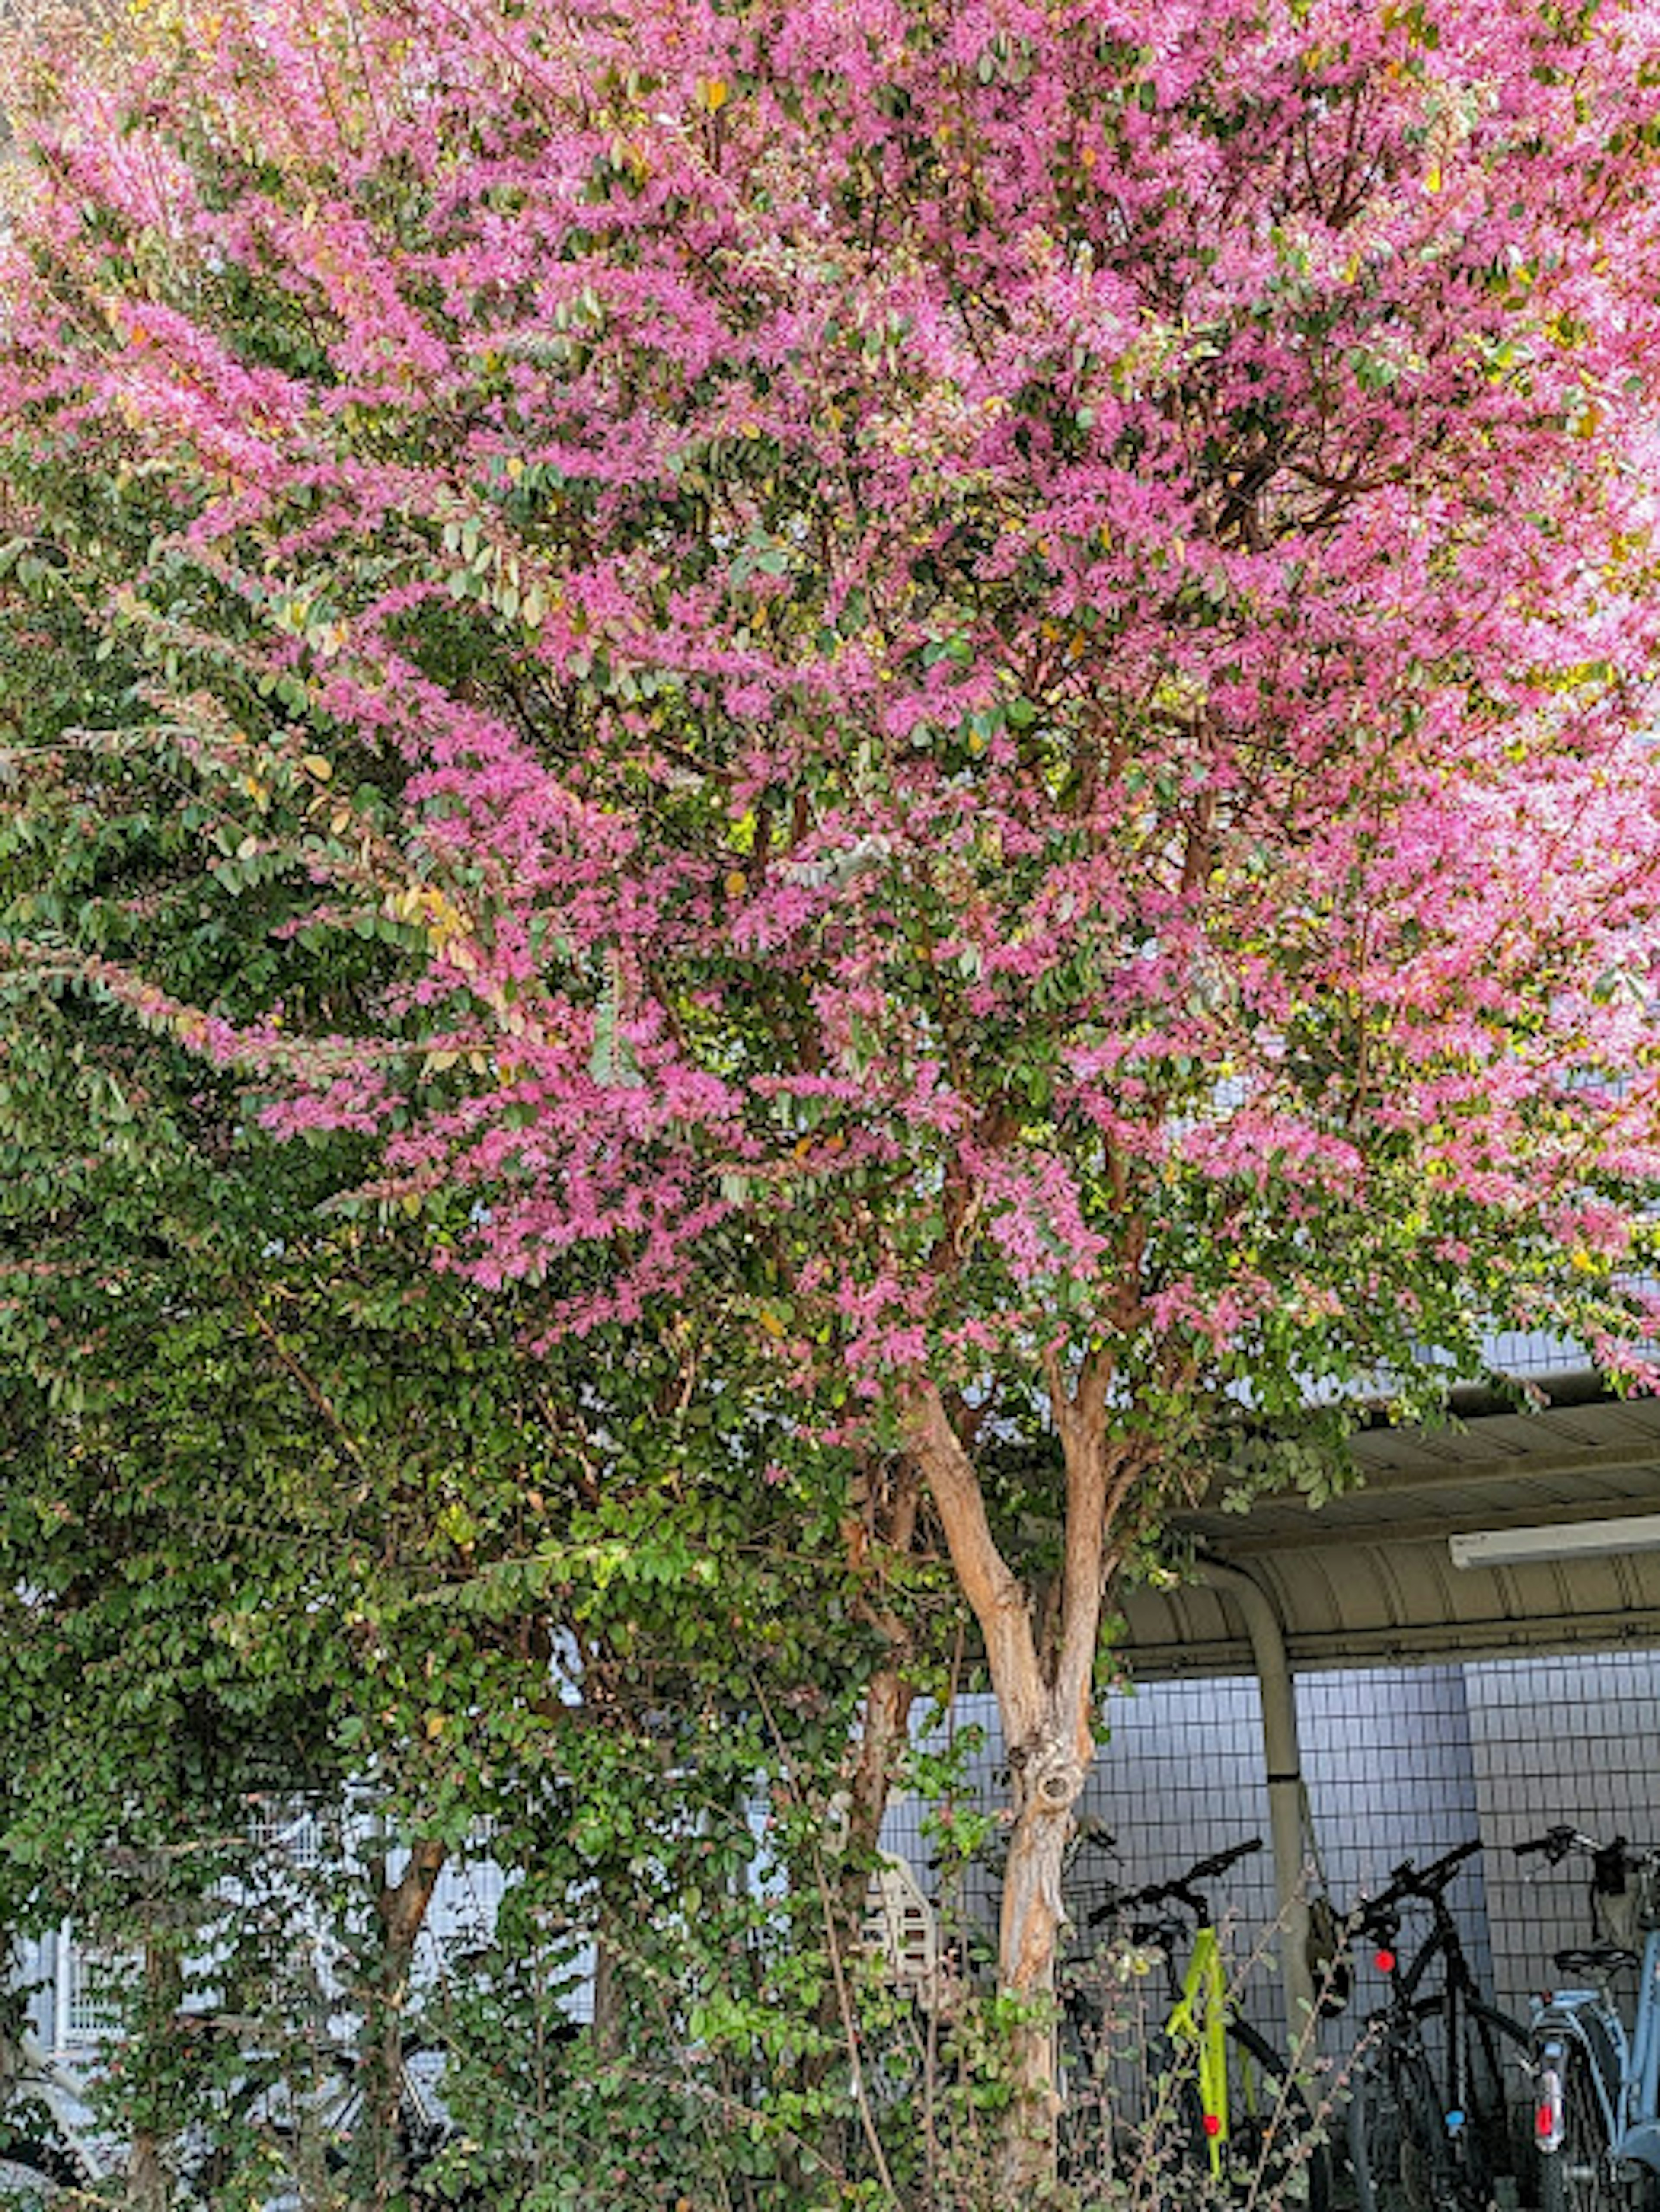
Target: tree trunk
x=401, y=1909
x=1045, y=1699
x=888, y=1702
x=1048, y=1773
x=883, y=1725
x=149, y=2184
x=607, y=2030
x=844, y=1887
x=883, y=1735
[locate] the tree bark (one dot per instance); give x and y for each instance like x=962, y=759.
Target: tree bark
x=1045, y=1702
x=607, y=2030
x=883, y=1735
x=149, y=2182
x=845, y=1885
x=401, y=1909
x=890, y=1696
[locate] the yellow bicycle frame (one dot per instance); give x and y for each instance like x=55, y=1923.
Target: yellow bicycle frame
x=1200, y=2017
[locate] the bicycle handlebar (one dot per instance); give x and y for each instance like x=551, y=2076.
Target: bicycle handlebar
x=1410, y=1881
x=1370, y=1915
x=1180, y=1888
x=1207, y=1870
x=1203, y=1870
x=1557, y=1842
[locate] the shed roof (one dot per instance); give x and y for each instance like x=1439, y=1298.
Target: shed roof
x=1368, y=1578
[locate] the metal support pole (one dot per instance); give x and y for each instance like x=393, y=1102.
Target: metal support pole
x=1284, y=1778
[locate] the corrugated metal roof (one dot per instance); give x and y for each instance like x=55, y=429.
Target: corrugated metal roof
x=1368, y=1578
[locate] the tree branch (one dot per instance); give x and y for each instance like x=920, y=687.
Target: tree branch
x=989, y=1585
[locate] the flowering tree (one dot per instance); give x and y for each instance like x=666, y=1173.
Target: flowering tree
x=984, y=671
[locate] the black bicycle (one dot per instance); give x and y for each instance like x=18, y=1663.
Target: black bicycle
x=1222, y=2113
x=1432, y=2126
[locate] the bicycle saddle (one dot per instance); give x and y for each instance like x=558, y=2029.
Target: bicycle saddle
x=1595, y=1959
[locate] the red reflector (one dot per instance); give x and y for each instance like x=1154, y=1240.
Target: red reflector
x=1384, y=1962
x=1212, y=2124
x=1544, y=2122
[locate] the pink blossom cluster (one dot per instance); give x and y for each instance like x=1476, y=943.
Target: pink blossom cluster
x=1008, y=653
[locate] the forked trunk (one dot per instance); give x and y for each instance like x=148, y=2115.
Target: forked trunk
x=1044, y=1702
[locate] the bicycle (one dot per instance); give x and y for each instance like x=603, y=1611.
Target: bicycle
x=1224, y=2112
x=1596, y=2110
x=1430, y=2122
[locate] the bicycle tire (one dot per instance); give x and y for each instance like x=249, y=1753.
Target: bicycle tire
x=1402, y=2154
x=1373, y=2127
x=1400, y=2158
x=1579, y=2176
x=1272, y=2156
x=1498, y=2139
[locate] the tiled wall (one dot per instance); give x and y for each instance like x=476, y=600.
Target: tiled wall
x=1558, y=1739
x=1399, y=1762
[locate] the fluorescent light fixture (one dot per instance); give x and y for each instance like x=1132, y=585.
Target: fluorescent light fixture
x=1570, y=1540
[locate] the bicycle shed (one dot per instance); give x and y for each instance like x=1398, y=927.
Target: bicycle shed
x=1504, y=1535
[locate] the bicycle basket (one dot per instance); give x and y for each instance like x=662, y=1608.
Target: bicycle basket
x=1625, y=1915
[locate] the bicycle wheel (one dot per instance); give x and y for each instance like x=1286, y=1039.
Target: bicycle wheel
x=1398, y=2149
x=1409, y=2152
x=1373, y=2133
x=1271, y=2155
x=1579, y=2176
x=1496, y=2142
